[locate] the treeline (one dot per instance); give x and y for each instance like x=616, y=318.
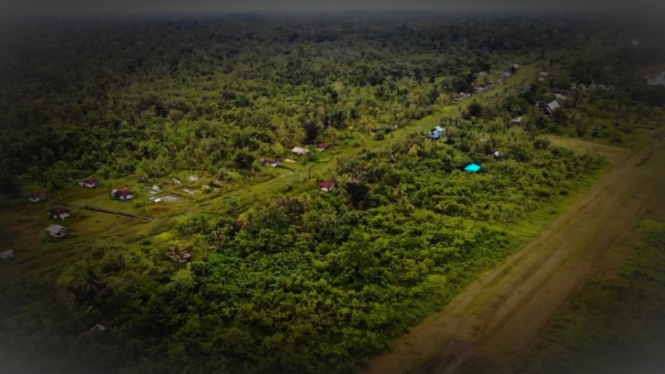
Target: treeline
x=155, y=97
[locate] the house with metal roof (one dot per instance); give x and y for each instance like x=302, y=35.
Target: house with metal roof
x=551, y=107
x=122, y=194
x=326, y=186
x=437, y=132
x=57, y=231
x=7, y=255
x=300, y=151
x=89, y=182
x=36, y=196
x=59, y=213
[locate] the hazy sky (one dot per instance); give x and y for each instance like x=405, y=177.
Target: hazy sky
x=44, y=7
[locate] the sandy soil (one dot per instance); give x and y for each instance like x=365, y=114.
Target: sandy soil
x=504, y=311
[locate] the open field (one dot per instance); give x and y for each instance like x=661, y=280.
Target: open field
x=36, y=253
x=614, y=323
x=501, y=314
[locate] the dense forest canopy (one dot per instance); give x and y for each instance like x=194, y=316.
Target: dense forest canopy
x=160, y=96
x=300, y=280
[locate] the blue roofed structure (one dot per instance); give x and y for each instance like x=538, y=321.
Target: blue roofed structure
x=437, y=133
x=472, y=168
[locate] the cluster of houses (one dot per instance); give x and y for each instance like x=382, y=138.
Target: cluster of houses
x=62, y=213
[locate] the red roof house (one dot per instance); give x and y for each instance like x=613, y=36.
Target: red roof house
x=321, y=147
x=326, y=186
x=36, y=196
x=59, y=213
x=122, y=194
x=89, y=182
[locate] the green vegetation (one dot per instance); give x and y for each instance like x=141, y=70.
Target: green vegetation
x=615, y=325
x=285, y=278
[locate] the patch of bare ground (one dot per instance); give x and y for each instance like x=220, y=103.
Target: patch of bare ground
x=501, y=314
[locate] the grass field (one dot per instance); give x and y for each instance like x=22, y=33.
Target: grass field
x=616, y=322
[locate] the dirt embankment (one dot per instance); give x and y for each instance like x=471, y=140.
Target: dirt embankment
x=501, y=314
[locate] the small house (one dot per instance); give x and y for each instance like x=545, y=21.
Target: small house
x=560, y=97
x=506, y=74
x=36, y=196
x=7, y=255
x=473, y=168
x=300, y=151
x=57, y=231
x=551, y=107
x=321, y=147
x=274, y=162
x=122, y=194
x=176, y=181
x=543, y=74
x=89, y=182
x=497, y=154
x=517, y=121
x=437, y=132
x=105, y=324
x=186, y=255
x=326, y=186
x=59, y=213
x=193, y=178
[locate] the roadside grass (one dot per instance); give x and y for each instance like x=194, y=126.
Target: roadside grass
x=612, y=325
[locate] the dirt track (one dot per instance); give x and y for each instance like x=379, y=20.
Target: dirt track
x=500, y=314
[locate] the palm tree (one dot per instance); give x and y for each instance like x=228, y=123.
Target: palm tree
x=92, y=281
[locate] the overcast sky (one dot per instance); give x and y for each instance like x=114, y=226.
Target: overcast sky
x=45, y=7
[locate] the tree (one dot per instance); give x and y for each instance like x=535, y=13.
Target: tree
x=312, y=130
x=475, y=109
x=244, y=158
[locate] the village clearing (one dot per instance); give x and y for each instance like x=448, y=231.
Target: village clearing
x=36, y=255
x=496, y=320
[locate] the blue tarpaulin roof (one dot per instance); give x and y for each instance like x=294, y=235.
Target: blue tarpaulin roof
x=472, y=168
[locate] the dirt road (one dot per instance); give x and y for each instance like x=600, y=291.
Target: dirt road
x=501, y=313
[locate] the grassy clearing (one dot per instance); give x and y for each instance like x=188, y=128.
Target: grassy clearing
x=612, y=325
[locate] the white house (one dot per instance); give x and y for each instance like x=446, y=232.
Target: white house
x=517, y=121
x=57, y=231
x=7, y=255
x=551, y=107
x=300, y=151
